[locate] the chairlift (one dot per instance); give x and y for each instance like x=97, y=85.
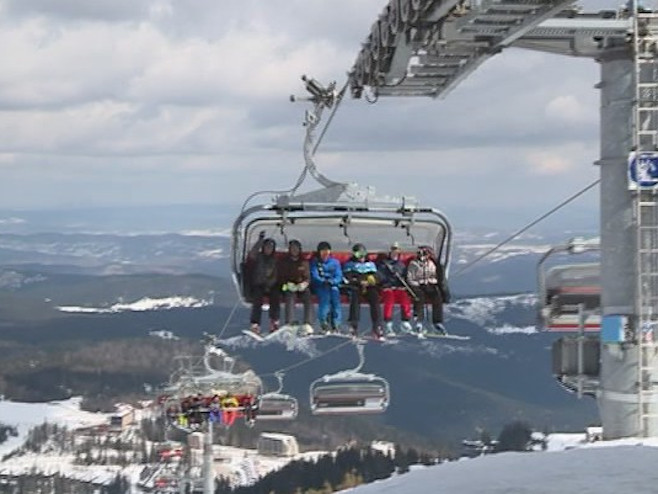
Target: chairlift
x=350, y=392
x=277, y=405
x=210, y=391
x=209, y=380
x=569, y=295
x=341, y=213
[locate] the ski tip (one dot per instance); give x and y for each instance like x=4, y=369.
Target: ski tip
x=447, y=336
x=253, y=335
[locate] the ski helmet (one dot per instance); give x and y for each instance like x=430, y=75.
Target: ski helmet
x=324, y=246
x=359, y=250
x=296, y=243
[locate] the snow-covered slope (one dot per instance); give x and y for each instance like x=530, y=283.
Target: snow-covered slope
x=141, y=305
x=613, y=467
x=569, y=465
x=25, y=416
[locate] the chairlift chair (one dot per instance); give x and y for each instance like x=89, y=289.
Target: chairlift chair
x=342, y=224
x=224, y=379
x=350, y=392
x=567, y=289
x=276, y=405
x=341, y=213
x=210, y=380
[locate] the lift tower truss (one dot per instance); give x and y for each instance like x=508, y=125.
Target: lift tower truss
x=645, y=144
x=426, y=47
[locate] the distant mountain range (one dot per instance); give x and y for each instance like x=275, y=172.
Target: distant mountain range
x=510, y=268
x=57, y=288
x=442, y=389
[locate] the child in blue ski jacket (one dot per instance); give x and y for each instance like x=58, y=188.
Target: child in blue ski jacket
x=326, y=277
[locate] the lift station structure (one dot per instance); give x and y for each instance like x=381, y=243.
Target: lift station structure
x=426, y=47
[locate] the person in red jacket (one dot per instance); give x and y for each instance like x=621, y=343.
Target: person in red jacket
x=395, y=290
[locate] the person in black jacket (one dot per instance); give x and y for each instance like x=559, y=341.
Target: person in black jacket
x=264, y=282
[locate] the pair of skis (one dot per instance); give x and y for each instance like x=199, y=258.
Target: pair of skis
x=382, y=339
x=294, y=330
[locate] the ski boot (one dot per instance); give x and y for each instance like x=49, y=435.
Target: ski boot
x=440, y=328
x=406, y=327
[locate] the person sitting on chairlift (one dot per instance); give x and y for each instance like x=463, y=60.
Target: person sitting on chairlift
x=395, y=290
x=326, y=278
x=294, y=278
x=426, y=277
x=264, y=282
x=363, y=280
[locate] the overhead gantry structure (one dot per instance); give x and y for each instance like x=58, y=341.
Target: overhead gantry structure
x=426, y=47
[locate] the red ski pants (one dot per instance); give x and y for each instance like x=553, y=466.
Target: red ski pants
x=396, y=296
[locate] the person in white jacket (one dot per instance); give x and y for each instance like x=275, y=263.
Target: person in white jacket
x=425, y=275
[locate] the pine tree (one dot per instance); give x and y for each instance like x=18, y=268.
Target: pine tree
x=515, y=436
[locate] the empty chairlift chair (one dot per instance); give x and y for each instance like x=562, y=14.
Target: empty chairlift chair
x=569, y=293
x=277, y=405
x=570, y=302
x=349, y=392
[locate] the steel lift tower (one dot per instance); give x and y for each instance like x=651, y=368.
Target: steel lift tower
x=426, y=47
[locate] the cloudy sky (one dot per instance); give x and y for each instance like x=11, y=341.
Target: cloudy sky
x=143, y=102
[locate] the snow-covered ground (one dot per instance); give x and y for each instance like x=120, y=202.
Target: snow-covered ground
x=243, y=466
x=141, y=305
x=568, y=466
x=484, y=311
x=25, y=416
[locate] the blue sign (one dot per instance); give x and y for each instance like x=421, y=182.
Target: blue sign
x=613, y=329
x=643, y=170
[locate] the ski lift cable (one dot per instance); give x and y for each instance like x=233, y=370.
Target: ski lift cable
x=230, y=316
x=307, y=168
x=528, y=226
x=305, y=361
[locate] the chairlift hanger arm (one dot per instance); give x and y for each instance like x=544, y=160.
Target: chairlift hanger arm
x=322, y=97
x=279, y=376
x=362, y=358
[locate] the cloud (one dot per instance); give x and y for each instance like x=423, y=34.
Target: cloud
x=568, y=109
x=144, y=102
x=76, y=10
x=549, y=163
